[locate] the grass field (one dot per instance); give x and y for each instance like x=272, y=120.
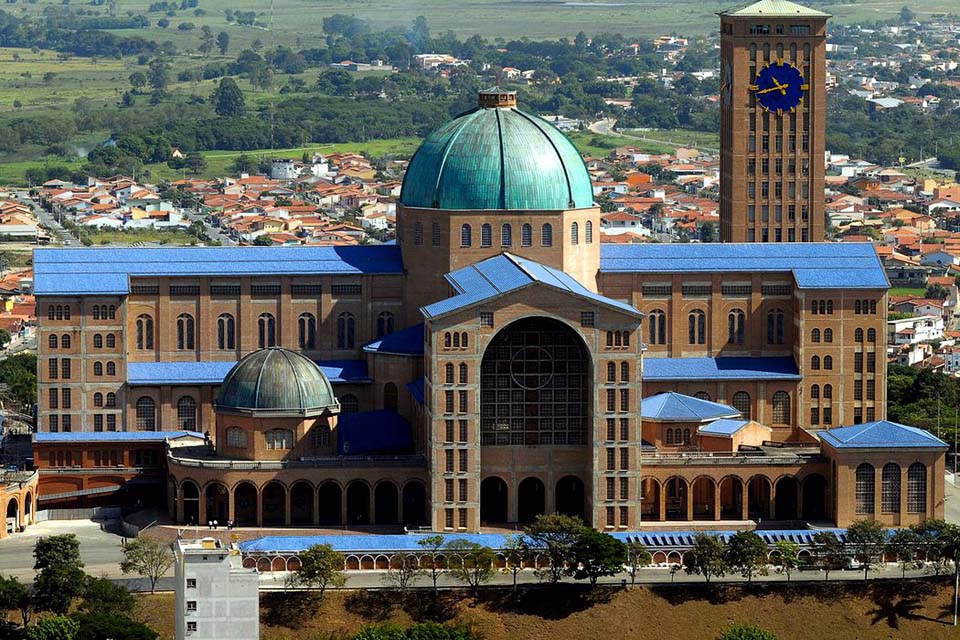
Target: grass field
x=680, y=137
x=22, y=79
x=906, y=291
x=792, y=612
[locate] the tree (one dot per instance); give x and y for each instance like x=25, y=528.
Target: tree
x=868, y=540
x=15, y=596
x=101, y=596
x=786, y=557
x=19, y=373
x=746, y=632
x=158, y=74
x=97, y=626
x=903, y=544
x=516, y=552
x=60, y=576
x=707, y=557
x=195, y=162
x=227, y=98
x=829, y=551
x=54, y=628
x=320, y=567
x=638, y=557
x=595, y=554
x=554, y=534
x=433, y=545
x=5, y=338
x=747, y=552
x=244, y=164
x=223, y=42
x=403, y=571
x=206, y=40
x=475, y=563
x=148, y=558
x=138, y=80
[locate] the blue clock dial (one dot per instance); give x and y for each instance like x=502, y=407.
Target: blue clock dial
x=779, y=87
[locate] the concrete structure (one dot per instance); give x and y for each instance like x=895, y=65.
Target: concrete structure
x=216, y=597
x=915, y=329
x=772, y=150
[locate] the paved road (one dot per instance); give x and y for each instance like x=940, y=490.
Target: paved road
x=99, y=550
x=215, y=233
x=605, y=127
x=49, y=220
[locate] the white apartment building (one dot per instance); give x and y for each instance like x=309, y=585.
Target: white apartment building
x=916, y=329
x=216, y=598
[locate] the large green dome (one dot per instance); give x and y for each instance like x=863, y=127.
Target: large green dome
x=276, y=382
x=497, y=157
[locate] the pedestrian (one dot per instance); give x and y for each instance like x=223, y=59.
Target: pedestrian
x=215, y=524
x=209, y=524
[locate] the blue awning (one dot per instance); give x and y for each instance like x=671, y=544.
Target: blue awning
x=371, y=432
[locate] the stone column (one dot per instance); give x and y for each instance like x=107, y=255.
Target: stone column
x=745, y=501
x=231, y=507
x=202, y=508
x=799, y=500
x=372, y=506
x=259, y=499
x=178, y=506
x=343, y=505
x=773, y=501
x=286, y=507
x=662, y=515
x=716, y=501
x=689, y=501
x=316, y=506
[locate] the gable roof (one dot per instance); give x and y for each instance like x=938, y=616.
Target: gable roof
x=676, y=407
x=814, y=265
x=504, y=273
x=723, y=427
x=774, y=8
x=881, y=434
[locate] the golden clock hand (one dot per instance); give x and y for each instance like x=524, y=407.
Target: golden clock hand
x=781, y=88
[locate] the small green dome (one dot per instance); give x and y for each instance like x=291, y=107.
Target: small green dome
x=497, y=157
x=276, y=382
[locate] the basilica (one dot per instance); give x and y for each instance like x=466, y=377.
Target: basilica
x=496, y=362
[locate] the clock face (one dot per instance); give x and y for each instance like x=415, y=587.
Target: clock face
x=779, y=87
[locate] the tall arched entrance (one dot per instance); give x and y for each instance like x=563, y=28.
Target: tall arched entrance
x=13, y=515
x=531, y=499
x=493, y=500
x=385, y=503
x=758, y=498
x=815, y=497
x=245, y=504
x=218, y=503
x=358, y=503
x=569, y=496
x=301, y=503
x=330, y=498
x=786, y=501
x=191, y=502
x=274, y=498
x=415, y=504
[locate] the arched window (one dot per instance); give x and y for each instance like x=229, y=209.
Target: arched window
x=736, y=326
x=111, y=341
x=96, y=311
x=828, y=335
x=828, y=392
x=546, y=235
x=669, y=436
x=279, y=439
x=588, y=231
x=146, y=414
x=775, y=327
x=463, y=339
x=52, y=341
x=526, y=235
x=236, y=438
x=418, y=234
x=856, y=307
x=611, y=372
x=463, y=373
x=226, y=332
x=390, y=396
x=111, y=400
x=697, y=327
x=98, y=399
x=815, y=335
x=267, y=331
x=346, y=331
x=98, y=341
x=702, y=395
x=686, y=436
x=871, y=335
x=50, y=312
x=111, y=368
x=466, y=235
x=187, y=414
x=384, y=324
x=112, y=312
x=815, y=392
x=506, y=235
x=486, y=235
x=917, y=488
x=456, y=339
x=435, y=234
x=741, y=402
x=624, y=372
x=890, y=488
x=307, y=325
x=98, y=368
x=865, y=485
x=828, y=362
x=349, y=404
x=448, y=373
x=574, y=233
x=658, y=326
x=65, y=341
x=815, y=363
x=446, y=340
x=858, y=335
x=185, y=331
x=781, y=407
x=144, y=332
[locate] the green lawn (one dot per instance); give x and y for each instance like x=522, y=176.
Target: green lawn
x=680, y=137
x=599, y=146
x=907, y=291
x=132, y=236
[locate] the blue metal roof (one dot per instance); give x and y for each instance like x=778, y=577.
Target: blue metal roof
x=405, y=342
x=416, y=389
x=822, y=265
x=654, y=540
x=723, y=427
x=382, y=431
x=724, y=368
x=107, y=270
x=881, y=434
x=504, y=273
x=114, y=436
x=183, y=373
x=676, y=407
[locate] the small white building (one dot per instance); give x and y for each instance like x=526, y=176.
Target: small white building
x=915, y=330
x=216, y=598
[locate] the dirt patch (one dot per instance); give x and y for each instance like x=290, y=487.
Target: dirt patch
x=802, y=611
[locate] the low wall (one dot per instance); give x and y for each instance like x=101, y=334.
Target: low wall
x=93, y=513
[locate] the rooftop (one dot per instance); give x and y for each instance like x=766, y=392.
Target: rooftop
x=724, y=368
x=880, y=434
x=114, y=436
x=276, y=381
x=205, y=372
x=774, y=8
x=723, y=427
x=676, y=407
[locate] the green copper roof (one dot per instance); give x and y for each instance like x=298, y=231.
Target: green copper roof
x=497, y=158
x=276, y=382
x=775, y=8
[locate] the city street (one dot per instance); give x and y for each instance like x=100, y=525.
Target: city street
x=49, y=220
